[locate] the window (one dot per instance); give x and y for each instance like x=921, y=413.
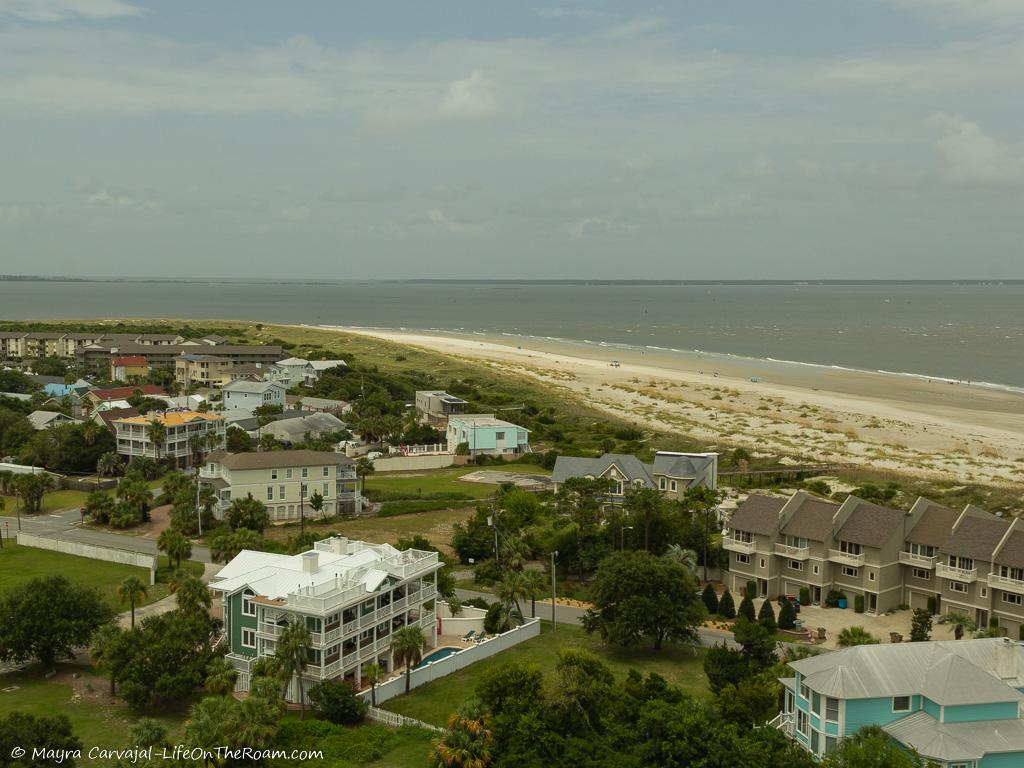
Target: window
x=305, y=471
x=280, y=493
x=1012, y=599
x=849, y=547
x=817, y=704
x=270, y=493
x=921, y=549
x=673, y=485
x=961, y=562
x=984, y=591
x=745, y=536
x=958, y=586
x=805, y=692
x=762, y=562
x=796, y=541
x=871, y=575
x=830, y=744
x=248, y=606
x=327, y=471
x=816, y=568
x=288, y=474
x=1017, y=574
x=661, y=483
x=248, y=638
x=742, y=559
x=802, y=722
x=273, y=474
x=832, y=709
x=922, y=573
x=327, y=490
x=900, y=703
x=499, y=435
x=304, y=489
x=796, y=565
x=851, y=572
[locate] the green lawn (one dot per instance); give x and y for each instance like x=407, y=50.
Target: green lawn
x=52, y=502
x=414, y=484
x=21, y=564
x=433, y=702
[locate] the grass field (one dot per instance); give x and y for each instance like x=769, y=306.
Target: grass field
x=414, y=484
x=21, y=564
x=433, y=702
x=52, y=502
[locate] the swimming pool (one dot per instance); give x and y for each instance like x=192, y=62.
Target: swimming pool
x=440, y=653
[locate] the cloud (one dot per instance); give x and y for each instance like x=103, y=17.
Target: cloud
x=62, y=10
x=974, y=158
x=474, y=97
x=994, y=12
x=448, y=224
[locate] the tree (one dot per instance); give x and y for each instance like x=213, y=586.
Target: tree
x=509, y=590
x=749, y=703
x=47, y=617
x=31, y=488
x=238, y=440
x=248, y=513
x=225, y=543
x=134, y=493
x=192, y=595
x=726, y=607
x=746, y=609
x=644, y=505
x=174, y=544
x=637, y=596
x=787, y=615
x=870, y=747
x=961, y=622
x=466, y=742
x=758, y=644
x=364, y=468
x=109, y=464
x=536, y=585
x=920, y=626
x=407, y=650
x=36, y=736
x=99, y=506
x=110, y=651
x=724, y=666
x=851, y=636
x=683, y=556
x=156, y=431
x=581, y=500
x=710, y=599
x=338, y=702
x=220, y=676
x=131, y=591
x=373, y=675
x=316, y=502
x=293, y=648
x=148, y=733
x=766, y=616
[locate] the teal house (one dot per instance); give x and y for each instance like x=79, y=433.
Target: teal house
x=958, y=703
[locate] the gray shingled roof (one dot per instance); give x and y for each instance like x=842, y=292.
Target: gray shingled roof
x=977, y=535
x=758, y=514
x=812, y=520
x=630, y=466
x=254, y=387
x=679, y=466
x=1012, y=551
x=934, y=526
x=870, y=525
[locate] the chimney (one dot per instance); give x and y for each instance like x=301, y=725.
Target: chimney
x=310, y=562
x=1006, y=659
x=339, y=544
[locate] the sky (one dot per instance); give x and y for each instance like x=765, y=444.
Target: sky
x=702, y=139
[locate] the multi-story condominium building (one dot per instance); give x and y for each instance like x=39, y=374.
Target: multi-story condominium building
x=351, y=595
x=22, y=344
x=128, y=368
x=483, y=433
x=98, y=355
x=435, y=406
x=284, y=481
x=133, y=435
x=249, y=395
x=671, y=473
x=956, y=702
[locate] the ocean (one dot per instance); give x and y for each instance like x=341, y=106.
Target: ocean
x=963, y=332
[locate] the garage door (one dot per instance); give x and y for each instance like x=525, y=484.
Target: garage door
x=918, y=600
x=793, y=588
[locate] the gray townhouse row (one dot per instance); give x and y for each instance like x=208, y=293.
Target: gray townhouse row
x=969, y=562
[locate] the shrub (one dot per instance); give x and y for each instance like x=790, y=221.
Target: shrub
x=819, y=487
x=750, y=590
x=787, y=615
x=497, y=619
x=487, y=572
x=834, y=597
x=710, y=599
x=932, y=605
x=336, y=701
x=805, y=595
x=766, y=616
x=477, y=602
x=858, y=603
x=746, y=610
x=851, y=636
x=921, y=626
x=726, y=607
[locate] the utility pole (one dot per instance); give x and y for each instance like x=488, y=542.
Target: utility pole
x=554, y=594
x=707, y=512
x=302, y=509
x=199, y=509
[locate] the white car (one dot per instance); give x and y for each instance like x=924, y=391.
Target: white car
x=374, y=455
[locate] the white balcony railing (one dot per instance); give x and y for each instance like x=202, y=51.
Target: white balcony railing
x=944, y=571
x=783, y=722
x=797, y=553
x=846, y=558
x=1006, y=584
x=738, y=545
x=919, y=561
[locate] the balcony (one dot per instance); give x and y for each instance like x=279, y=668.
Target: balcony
x=846, y=558
x=957, y=574
x=918, y=561
x=1006, y=584
x=795, y=553
x=738, y=545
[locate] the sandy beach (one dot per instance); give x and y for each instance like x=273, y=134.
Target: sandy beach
x=919, y=426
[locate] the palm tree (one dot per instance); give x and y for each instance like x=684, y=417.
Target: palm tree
x=106, y=647
x=407, y=649
x=509, y=590
x=221, y=677
x=174, y=544
x=293, y=648
x=157, y=434
x=131, y=591
x=208, y=721
x=192, y=595
x=961, y=622
x=467, y=742
x=535, y=584
x=851, y=636
x=256, y=725
x=108, y=464
x=373, y=675
x=90, y=431
x=6, y=482
x=683, y=556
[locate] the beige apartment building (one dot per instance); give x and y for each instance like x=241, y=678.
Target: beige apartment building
x=969, y=562
x=284, y=481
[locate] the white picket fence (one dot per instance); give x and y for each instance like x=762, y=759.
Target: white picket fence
x=397, y=721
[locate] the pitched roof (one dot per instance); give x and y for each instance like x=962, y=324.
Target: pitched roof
x=869, y=524
x=680, y=465
x=957, y=742
x=326, y=365
x=129, y=360
x=757, y=514
x=170, y=418
x=108, y=417
x=44, y=419
x=1011, y=553
x=934, y=526
x=252, y=387
x=629, y=466
x=976, y=536
x=290, y=361
x=121, y=393
x=812, y=519
x=274, y=459
x=308, y=422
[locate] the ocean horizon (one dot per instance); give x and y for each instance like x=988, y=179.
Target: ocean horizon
x=944, y=330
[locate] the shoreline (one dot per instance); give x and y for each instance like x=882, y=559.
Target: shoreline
x=908, y=423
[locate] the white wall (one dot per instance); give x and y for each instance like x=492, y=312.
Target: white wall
x=92, y=551
x=469, y=618
x=428, y=461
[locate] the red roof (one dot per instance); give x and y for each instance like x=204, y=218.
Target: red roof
x=130, y=360
x=122, y=393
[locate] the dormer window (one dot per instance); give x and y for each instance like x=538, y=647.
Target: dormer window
x=849, y=548
x=1011, y=573
x=920, y=549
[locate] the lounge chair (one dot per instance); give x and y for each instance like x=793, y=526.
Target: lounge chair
x=481, y=637
x=468, y=636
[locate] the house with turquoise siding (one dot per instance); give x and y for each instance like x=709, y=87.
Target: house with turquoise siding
x=956, y=702
x=482, y=433
x=351, y=595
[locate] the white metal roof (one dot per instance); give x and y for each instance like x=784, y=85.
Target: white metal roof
x=957, y=741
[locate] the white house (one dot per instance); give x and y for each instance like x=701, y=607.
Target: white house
x=250, y=395
x=45, y=419
x=293, y=371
